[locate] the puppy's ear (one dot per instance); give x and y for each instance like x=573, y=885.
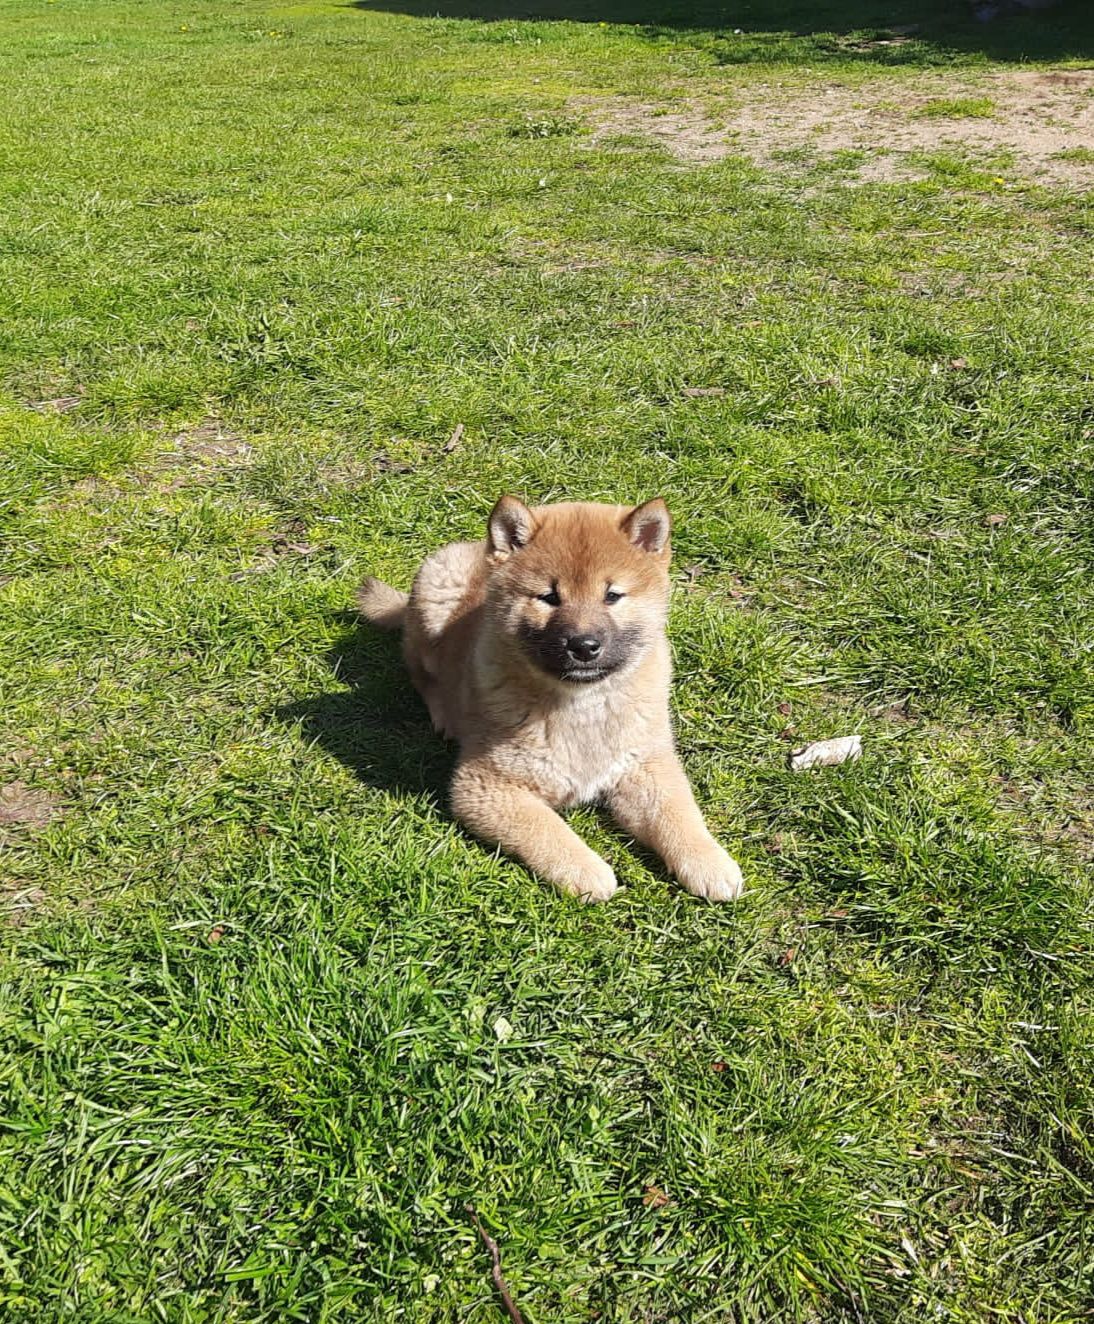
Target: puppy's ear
x=511, y=526
x=648, y=526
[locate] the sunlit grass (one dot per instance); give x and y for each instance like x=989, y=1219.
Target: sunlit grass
x=257, y=265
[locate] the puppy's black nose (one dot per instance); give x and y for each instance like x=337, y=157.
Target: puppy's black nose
x=583, y=647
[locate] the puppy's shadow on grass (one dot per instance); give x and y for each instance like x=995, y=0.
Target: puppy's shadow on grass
x=378, y=726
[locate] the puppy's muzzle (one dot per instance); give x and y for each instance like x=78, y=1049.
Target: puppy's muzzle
x=577, y=653
x=584, y=647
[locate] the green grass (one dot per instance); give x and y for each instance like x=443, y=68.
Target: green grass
x=980, y=108
x=249, y=1066
x=1083, y=155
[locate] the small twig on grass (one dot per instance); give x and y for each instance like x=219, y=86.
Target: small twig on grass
x=495, y=1268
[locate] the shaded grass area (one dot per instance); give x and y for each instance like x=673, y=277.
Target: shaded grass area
x=803, y=32
x=263, y=261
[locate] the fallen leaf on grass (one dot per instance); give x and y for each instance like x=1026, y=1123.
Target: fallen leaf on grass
x=783, y=709
x=653, y=1197
x=993, y=521
x=826, y=753
x=454, y=440
x=958, y=364
x=788, y=733
x=718, y=1066
x=698, y=391
x=216, y=933
x=22, y=806
x=787, y=958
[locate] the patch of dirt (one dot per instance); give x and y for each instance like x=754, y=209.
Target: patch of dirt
x=208, y=444
x=291, y=541
x=1053, y=814
x=21, y=806
x=384, y=464
x=684, y=132
x=17, y=905
x=900, y=713
x=344, y=471
x=1036, y=115
x=13, y=754
x=196, y=454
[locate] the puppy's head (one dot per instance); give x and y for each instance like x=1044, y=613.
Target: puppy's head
x=580, y=590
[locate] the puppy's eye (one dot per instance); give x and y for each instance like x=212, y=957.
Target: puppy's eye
x=612, y=596
x=551, y=598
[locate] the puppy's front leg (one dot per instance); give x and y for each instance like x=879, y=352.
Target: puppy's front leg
x=523, y=825
x=655, y=804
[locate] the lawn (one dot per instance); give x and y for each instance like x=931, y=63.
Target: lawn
x=289, y=293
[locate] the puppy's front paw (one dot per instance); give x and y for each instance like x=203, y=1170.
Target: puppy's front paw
x=712, y=874
x=592, y=881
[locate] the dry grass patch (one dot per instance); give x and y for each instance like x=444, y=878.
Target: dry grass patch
x=1042, y=120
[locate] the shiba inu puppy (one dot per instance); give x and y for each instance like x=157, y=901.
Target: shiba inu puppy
x=542, y=651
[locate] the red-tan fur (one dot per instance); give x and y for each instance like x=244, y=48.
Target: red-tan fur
x=532, y=743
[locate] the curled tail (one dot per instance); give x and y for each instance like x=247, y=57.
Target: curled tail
x=384, y=606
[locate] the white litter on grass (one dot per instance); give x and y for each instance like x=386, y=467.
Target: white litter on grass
x=503, y=1030
x=824, y=753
